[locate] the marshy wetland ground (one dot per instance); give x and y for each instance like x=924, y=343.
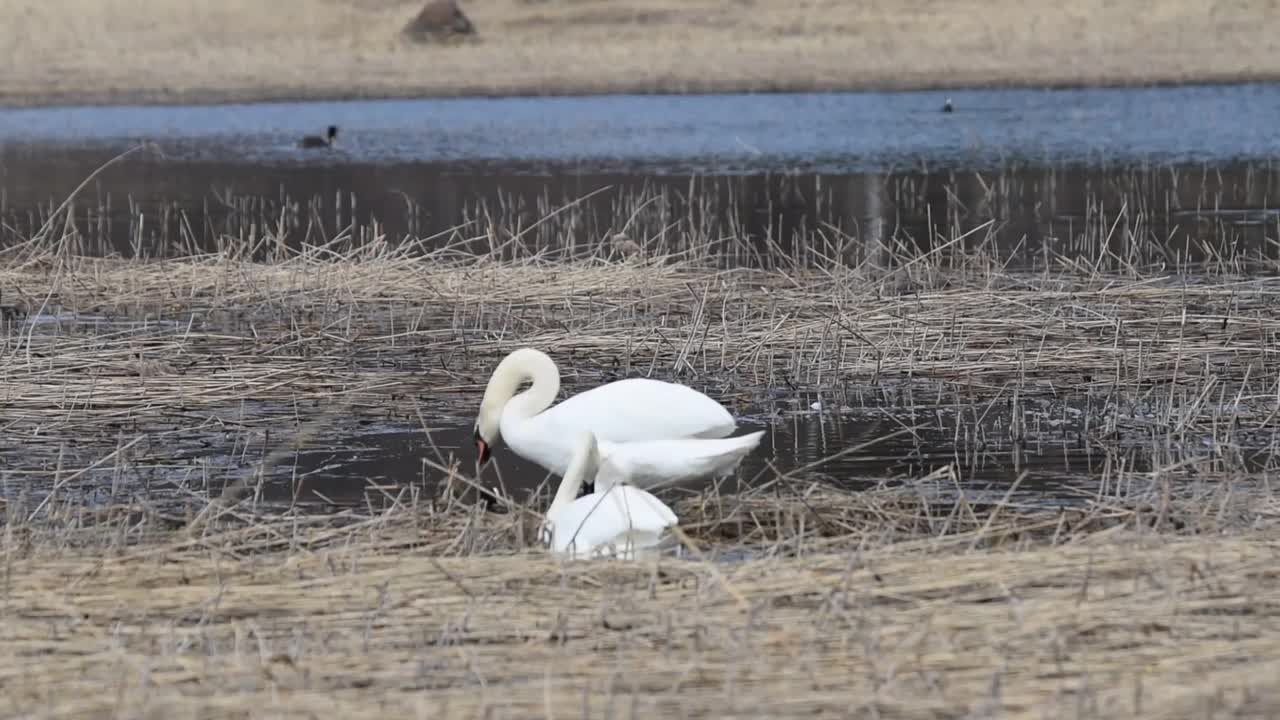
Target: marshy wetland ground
x=1020, y=412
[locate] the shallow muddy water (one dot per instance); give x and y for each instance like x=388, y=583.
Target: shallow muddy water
x=894, y=433
x=389, y=460
x=121, y=436
x=1167, y=178
x=1044, y=451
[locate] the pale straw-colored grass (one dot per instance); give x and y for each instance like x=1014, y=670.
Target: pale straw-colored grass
x=420, y=612
x=161, y=51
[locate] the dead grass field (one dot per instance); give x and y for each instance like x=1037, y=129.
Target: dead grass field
x=89, y=51
x=420, y=612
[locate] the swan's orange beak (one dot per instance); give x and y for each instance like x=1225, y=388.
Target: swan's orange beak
x=482, y=451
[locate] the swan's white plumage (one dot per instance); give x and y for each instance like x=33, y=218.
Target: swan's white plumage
x=625, y=412
x=621, y=522
x=638, y=409
x=615, y=520
x=660, y=462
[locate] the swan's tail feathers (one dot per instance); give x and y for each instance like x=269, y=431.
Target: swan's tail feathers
x=658, y=463
x=751, y=440
x=739, y=449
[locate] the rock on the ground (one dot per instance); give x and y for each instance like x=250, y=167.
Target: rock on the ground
x=439, y=20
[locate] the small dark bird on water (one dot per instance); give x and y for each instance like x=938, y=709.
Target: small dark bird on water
x=315, y=141
x=946, y=106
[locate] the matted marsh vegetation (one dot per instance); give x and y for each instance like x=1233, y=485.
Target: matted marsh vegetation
x=871, y=604
x=1151, y=596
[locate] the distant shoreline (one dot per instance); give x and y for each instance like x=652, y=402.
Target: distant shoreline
x=84, y=52
x=252, y=96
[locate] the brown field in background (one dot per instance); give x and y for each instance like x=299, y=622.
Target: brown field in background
x=101, y=51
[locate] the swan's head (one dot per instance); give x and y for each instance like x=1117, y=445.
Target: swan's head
x=502, y=385
x=501, y=388
x=521, y=366
x=486, y=430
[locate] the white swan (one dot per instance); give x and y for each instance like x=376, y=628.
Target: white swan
x=620, y=415
x=616, y=520
x=652, y=463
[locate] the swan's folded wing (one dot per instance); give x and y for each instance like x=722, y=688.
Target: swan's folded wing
x=639, y=409
x=660, y=462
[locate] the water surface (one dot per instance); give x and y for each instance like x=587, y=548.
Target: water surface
x=818, y=133
x=1167, y=178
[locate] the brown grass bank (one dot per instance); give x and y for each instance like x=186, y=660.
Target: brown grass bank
x=448, y=612
x=83, y=51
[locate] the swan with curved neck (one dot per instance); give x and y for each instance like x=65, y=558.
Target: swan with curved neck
x=616, y=520
x=624, y=416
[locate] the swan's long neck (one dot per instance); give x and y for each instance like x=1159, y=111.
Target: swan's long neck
x=523, y=365
x=582, y=467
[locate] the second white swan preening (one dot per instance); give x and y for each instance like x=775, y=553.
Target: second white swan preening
x=616, y=520
x=634, y=420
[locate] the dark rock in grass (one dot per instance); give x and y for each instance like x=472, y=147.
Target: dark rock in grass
x=439, y=20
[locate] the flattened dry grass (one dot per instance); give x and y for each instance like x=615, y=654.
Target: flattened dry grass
x=239, y=50
x=405, y=613
x=226, y=331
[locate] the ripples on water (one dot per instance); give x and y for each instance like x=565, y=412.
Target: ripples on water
x=817, y=133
